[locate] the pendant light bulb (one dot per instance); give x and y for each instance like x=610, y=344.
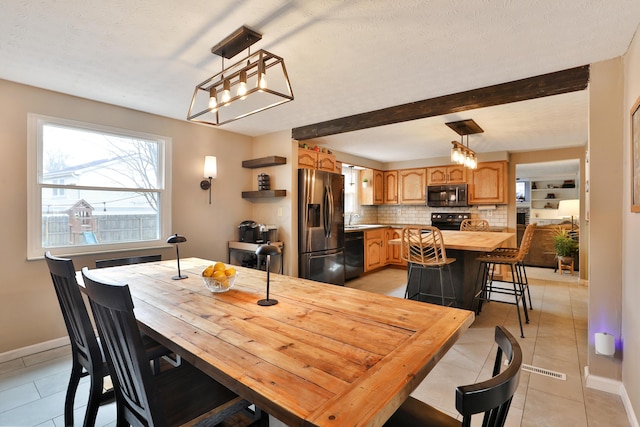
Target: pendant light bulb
x=242, y=85
x=262, y=76
x=226, y=92
x=213, y=99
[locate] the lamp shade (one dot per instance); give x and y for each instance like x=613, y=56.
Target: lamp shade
x=176, y=238
x=569, y=208
x=210, y=167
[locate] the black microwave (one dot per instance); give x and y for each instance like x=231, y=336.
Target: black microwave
x=447, y=195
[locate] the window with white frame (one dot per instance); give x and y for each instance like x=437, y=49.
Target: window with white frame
x=94, y=188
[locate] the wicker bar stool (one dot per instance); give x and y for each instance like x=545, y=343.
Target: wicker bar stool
x=475, y=225
x=514, y=258
x=423, y=249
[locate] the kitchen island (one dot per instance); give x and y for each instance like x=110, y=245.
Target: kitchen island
x=323, y=356
x=465, y=247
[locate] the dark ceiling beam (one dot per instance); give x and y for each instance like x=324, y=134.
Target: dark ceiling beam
x=557, y=83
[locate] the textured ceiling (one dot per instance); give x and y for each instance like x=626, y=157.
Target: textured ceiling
x=343, y=58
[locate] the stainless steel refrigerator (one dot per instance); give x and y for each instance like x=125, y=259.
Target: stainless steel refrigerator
x=321, y=226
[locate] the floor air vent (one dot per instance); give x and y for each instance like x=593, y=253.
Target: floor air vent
x=545, y=372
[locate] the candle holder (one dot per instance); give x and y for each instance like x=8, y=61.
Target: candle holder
x=268, y=250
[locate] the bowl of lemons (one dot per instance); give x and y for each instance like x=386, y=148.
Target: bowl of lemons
x=218, y=277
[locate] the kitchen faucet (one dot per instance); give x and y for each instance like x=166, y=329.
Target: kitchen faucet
x=351, y=215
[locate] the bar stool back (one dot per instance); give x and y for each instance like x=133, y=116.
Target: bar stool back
x=475, y=225
x=423, y=249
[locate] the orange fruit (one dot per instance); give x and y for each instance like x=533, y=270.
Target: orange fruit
x=218, y=274
x=219, y=266
x=208, y=272
x=230, y=271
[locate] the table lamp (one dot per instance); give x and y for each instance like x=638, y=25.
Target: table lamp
x=175, y=239
x=569, y=208
x=268, y=250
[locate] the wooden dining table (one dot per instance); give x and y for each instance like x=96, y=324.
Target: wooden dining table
x=324, y=355
x=465, y=247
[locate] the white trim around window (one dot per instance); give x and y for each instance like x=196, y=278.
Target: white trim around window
x=159, y=189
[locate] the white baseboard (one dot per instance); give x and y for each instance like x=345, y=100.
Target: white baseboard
x=612, y=386
x=33, y=349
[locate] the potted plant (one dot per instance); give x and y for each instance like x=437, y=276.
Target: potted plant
x=365, y=182
x=564, y=245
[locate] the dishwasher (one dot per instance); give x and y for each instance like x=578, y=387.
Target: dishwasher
x=353, y=254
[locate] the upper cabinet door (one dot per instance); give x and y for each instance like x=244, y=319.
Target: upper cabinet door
x=390, y=187
x=378, y=187
x=488, y=184
x=412, y=186
x=457, y=174
x=307, y=158
x=439, y=175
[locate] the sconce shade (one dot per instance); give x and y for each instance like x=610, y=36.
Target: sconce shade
x=210, y=167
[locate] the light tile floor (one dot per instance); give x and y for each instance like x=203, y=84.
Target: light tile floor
x=32, y=388
x=556, y=339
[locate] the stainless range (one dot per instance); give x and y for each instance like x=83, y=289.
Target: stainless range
x=448, y=220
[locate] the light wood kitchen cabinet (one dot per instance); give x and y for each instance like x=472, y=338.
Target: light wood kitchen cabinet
x=374, y=249
x=393, y=251
x=455, y=174
x=488, y=184
x=372, y=192
x=390, y=187
x=317, y=160
x=412, y=186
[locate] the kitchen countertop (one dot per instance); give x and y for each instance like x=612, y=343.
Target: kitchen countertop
x=364, y=227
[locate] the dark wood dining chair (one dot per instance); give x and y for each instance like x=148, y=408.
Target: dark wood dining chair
x=491, y=397
x=86, y=354
x=174, y=396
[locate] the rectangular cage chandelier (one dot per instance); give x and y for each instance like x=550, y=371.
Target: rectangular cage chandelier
x=254, y=84
x=461, y=154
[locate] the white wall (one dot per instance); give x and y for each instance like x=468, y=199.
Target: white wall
x=29, y=312
x=631, y=237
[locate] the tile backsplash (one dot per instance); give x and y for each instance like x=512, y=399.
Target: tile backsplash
x=420, y=214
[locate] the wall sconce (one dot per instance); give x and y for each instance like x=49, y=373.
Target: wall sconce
x=210, y=172
x=605, y=344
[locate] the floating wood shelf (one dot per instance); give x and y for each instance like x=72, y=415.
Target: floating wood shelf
x=264, y=161
x=263, y=194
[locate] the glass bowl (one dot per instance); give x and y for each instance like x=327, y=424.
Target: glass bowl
x=222, y=284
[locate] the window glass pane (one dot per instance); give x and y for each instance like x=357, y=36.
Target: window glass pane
x=74, y=156
x=94, y=188
x=91, y=217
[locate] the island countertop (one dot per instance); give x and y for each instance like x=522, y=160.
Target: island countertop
x=477, y=241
